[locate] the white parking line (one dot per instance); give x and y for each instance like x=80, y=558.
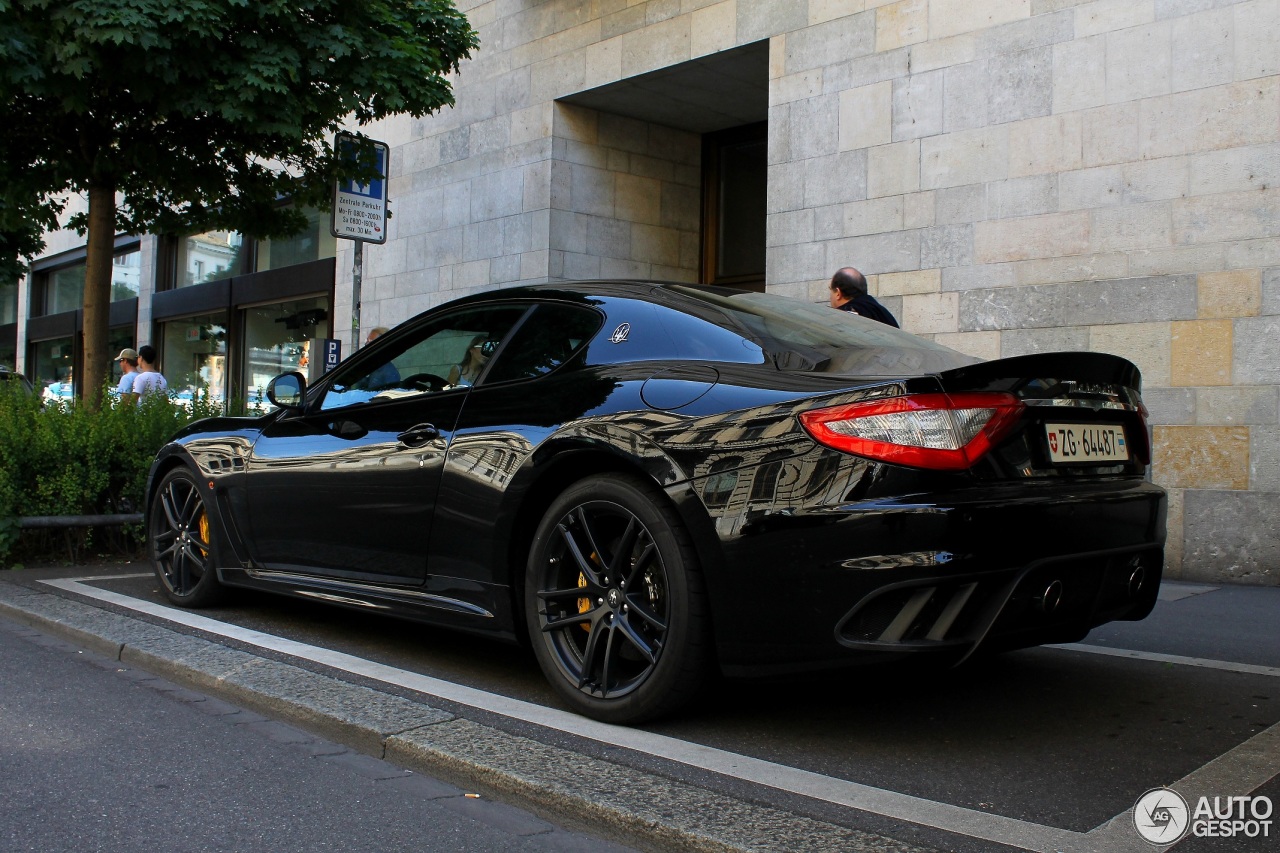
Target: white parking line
x=996, y=828
x=1156, y=657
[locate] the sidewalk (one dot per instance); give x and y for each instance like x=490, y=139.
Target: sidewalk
x=645, y=809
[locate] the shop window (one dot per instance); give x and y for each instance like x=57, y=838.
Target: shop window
x=278, y=339
x=51, y=367
x=314, y=243
x=734, y=180
x=62, y=289
x=218, y=255
x=194, y=356
x=212, y=256
x=8, y=355
x=8, y=302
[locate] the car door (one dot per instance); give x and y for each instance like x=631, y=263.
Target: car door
x=347, y=488
x=530, y=390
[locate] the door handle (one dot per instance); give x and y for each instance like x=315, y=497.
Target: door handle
x=416, y=436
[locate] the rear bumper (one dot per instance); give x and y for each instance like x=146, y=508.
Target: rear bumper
x=1052, y=600
x=939, y=575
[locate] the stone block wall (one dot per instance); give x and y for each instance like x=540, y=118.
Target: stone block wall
x=625, y=199
x=1028, y=176
x=1016, y=176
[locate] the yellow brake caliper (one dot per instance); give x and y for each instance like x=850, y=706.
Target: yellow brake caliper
x=204, y=530
x=584, y=604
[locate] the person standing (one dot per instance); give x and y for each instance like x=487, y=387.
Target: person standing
x=149, y=379
x=128, y=359
x=849, y=293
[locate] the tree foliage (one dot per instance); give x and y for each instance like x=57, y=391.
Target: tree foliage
x=191, y=115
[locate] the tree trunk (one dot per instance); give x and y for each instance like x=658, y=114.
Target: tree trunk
x=97, y=294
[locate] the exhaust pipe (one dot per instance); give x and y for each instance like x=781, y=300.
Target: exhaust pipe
x=1049, y=600
x=1137, y=580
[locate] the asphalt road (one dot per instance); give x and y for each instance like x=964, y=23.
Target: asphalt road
x=97, y=756
x=1054, y=738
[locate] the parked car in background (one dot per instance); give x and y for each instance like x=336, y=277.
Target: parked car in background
x=650, y=482
x=8, y=376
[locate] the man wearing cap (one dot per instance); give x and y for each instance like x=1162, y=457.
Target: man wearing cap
x=128, y=359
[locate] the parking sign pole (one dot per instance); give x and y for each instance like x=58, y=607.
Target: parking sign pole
x=357, y=271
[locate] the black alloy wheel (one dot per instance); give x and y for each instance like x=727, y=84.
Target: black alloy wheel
x=182, y=542
x=614, y=600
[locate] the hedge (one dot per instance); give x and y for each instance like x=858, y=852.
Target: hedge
x=62, y=459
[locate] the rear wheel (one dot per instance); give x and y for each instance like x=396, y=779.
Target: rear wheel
x=615, y=605
x=182, y=542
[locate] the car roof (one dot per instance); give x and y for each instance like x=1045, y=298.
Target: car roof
x=579, y=291
x=6, y=373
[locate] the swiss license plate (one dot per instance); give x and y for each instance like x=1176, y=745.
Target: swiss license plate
x=1087, y=443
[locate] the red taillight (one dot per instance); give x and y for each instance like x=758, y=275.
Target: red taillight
x=938, y=431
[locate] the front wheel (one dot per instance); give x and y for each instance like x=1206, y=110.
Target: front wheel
x=182, y=543
x=614, y=599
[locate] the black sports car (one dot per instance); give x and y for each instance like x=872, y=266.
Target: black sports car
x=651, y=481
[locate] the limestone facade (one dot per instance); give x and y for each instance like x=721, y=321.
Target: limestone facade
x=1015, y=176
x=1018, y=175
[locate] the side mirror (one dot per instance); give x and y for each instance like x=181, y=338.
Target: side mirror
x=288, y=390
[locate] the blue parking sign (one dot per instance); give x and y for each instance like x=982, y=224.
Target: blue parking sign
x=360, y=209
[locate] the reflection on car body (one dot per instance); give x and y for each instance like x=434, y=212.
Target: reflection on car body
x=740, y=482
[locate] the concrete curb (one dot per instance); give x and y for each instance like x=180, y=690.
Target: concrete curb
x=628, y=805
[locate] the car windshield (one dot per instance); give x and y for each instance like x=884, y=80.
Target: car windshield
x=809, y=337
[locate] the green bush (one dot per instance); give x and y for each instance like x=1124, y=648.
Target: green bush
x=62, y=459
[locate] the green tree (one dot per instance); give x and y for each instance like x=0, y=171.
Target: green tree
x=192, y=115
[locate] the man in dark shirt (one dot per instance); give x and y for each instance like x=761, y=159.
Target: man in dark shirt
x=849, y=293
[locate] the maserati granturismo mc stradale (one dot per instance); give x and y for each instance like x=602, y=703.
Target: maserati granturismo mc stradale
x=651, y=483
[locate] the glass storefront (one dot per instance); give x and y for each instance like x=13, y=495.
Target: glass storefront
x=64, y=287
x=51, y=367
x=8, y=356
x=217, y=255
x=194, y=357
x=278, y=339
x=212, y=256
x=315, y=242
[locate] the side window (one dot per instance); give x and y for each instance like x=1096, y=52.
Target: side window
x=660, y=333
x=450, y=352
x=547, y=340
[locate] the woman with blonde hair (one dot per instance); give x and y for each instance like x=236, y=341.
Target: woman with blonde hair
x=472, y=365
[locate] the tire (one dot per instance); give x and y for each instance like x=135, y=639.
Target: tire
x=182, y=543
x=614, y=601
